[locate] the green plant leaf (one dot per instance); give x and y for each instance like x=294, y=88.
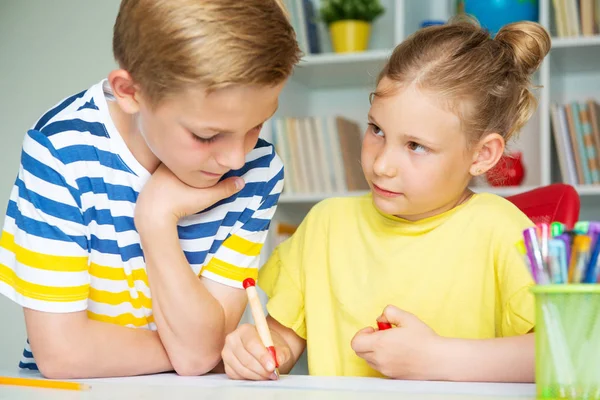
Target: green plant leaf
x=340, y=10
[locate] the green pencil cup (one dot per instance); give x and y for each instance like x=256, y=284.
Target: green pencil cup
x=567, y=341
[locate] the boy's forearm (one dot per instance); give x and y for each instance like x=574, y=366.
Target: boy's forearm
x=510, y=359
x=190, y=321
x=74, y=347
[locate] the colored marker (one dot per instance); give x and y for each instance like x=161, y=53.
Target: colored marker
x=260, y=320
x=383, y=325
x=535, y=256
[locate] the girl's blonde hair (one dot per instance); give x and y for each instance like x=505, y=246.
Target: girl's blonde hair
x=486, y=80
x=170, y=45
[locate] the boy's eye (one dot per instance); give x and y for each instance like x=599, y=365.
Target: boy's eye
x=204, y=140
x=417, y=148
x=375, y=129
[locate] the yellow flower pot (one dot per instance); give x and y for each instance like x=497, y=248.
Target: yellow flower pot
x=349, y=36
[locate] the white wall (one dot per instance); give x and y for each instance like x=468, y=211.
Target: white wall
x=48, y=51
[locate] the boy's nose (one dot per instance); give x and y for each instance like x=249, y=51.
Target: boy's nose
x=234, y=156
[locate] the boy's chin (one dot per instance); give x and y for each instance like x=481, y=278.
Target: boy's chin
x=199, y=182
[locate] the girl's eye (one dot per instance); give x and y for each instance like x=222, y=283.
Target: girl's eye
x=417, y=148
x=204, y=140
x=375, y=129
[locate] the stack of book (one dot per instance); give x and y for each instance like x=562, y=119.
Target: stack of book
x=576, y=17
x=304, y=16
x=576, y=128
x=320, y=154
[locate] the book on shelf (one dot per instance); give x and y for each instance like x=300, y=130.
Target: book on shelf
x=576, y=17
x=576, y=131
x=320, y=154
x=303, y=17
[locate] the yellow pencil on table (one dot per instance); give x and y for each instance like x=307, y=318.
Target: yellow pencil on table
x=42, y=383
x=260, y=320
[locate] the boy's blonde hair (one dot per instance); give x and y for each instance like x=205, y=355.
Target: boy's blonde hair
x=486, y=81
x=170, y=45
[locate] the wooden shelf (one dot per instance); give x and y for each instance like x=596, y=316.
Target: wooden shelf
x=335, y=70
x=575, y=41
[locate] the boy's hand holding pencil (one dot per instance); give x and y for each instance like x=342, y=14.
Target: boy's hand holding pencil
x=254, y=352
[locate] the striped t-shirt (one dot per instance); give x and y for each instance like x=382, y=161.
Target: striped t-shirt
x=69, y=241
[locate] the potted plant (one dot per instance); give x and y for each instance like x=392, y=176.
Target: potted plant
x=349, y=22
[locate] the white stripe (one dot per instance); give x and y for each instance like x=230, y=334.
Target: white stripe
x=108, y=285
x=43, y=155
x=218, y=213
x=258, y=153
x=108, y=232
x=46, y=306
x=93, y=169
x=42, y=245
x=43, y=277
x=117, y=208
x=233, y=257
x=69, y=109
x=49, y=190
x=109, y=310
x=220, y=279
x=68, y=227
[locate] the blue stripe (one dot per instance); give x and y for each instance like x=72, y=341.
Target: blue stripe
x=75, y=124
x=89, y=105
x=52, y=113
x=261, y=162
x=269, y=202
x=250, y=190
x=196, y=257
x=257, y=224
x=113, y=192
x=30, y=366
x=107, y=246
x=105, y=217
x=207, y=229
x=43, y=171
x=51, y=207
x=78, y=152
x=27, y=354
x=42, y=229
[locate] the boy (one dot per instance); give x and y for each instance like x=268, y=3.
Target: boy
x=162, y=156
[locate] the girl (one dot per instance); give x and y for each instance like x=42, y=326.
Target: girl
x=442, y=256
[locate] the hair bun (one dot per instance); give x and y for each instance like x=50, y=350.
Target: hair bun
x=529, y=43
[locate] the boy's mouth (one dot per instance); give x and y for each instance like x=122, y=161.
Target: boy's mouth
x=384, y=192
x=211, y=174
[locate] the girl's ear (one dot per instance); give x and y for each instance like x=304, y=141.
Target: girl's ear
x=125, y=90
x=488, y=152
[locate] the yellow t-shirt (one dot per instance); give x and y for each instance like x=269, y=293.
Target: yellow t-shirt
x=459, y=272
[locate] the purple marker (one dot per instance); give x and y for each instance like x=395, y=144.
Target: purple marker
x=532, y=245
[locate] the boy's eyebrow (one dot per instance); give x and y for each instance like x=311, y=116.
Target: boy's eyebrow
x=228, y=132
x=408, y=137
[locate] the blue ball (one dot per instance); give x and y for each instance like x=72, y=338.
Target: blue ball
x=493, y=14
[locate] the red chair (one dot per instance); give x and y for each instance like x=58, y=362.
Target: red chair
x=556, y=202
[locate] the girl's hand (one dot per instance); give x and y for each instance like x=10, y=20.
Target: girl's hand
x=245, y=356
x=407, y=351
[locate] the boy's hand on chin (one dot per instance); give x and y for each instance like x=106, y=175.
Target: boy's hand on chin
x=165, y=198
x=410, y=350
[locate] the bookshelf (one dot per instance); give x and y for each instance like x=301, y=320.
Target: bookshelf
x=339, y=84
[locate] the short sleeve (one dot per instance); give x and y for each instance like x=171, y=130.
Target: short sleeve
x=281, y=280
x=238, y=257
x=44, y=246
x=517, y=303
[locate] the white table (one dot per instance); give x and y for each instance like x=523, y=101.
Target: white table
x=290, y=387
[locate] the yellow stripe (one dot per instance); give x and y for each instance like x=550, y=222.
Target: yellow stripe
x=41, y=292
x=114, y=299
x=43, y=261
x=122, y=319
x=118, y=274
x=230, y=271
x=242, y=246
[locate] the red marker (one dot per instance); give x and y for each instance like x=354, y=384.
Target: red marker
x=383, y=325
x=260, y=320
